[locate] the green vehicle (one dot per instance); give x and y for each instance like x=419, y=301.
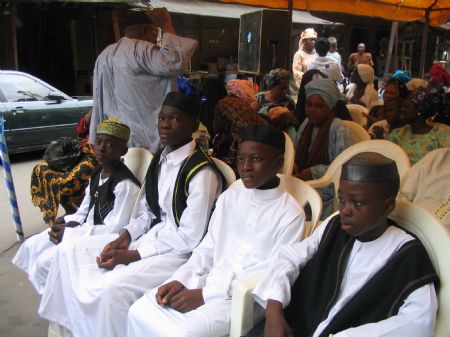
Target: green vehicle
x=36, y=113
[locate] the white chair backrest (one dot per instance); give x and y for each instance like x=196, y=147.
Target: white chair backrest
x=384, y=147
x=138, y=160
x=357, y=112
x=226, y=170
x=358, y=132
x=289, y=156
x=436, y=240
x=304, y=194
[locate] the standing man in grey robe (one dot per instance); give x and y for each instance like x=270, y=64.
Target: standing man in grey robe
x=132, y=76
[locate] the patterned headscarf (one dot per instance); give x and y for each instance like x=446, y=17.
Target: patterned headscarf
x=237, y=113
x=113, y=127
x=428, y=101
x=243, y=89
x=277, y=76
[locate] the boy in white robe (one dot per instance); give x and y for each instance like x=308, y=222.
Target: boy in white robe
x=36, y=253
x=358, y=274
x=93, y=282
x=249, y=224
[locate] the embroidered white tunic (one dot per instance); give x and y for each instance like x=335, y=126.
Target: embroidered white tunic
x=36, y=253
x=247, y=228
x=416, y=316
x=94, y=302
x=131, y=79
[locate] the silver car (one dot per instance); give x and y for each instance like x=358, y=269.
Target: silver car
x=35, y=112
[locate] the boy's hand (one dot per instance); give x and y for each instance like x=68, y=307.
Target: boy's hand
x=161, y=18
x=56, y=233
x=166, y=291
x=111, y=258
x=187, y=300
x=122, y=242
x=59, y=220
x=276, y=325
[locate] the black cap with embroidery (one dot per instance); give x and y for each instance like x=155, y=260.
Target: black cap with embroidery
x=370, y=167
x=265, y=134
x=187, y=104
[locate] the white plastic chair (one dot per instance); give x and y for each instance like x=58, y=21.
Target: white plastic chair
x=138, y=160
x=226, y=170
x=289, y=156
x=436, y=240
x=358, y=114
x=412, y=218
x=384, y=147
x=358, y=132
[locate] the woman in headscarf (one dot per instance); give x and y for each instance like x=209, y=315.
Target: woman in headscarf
x=230, y=116
x=305, y=54
x=362, y=91
x=278, y=83
x=243, y=89
x=340, y=108
x=418, y=137
x=321, y=137
x=394, y=88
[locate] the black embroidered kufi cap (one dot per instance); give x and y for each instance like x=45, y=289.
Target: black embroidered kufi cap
x=135, y=18
x=370, y=167
x=187, y=104
x=265, y=134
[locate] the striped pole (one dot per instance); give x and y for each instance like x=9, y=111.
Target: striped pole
x=10, y=183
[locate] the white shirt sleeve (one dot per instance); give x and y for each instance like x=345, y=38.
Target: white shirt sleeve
x=286, y=268
x=292, y=232
x=416, y=318
x=80, y=215
x=140, y=223
x=204, y=188
x=169, y=59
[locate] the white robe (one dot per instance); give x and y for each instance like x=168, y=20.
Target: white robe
x=416, y=316
x=36, y=253
x=327, y=65
x=427, y=184
x=94, y=302
x=247, y=228
x=131, y=79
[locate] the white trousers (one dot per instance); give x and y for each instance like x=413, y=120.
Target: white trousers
x=147, y=318
x=34, y=257
x=94, y=302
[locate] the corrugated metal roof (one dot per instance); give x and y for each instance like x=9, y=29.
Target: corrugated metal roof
x=204, y=8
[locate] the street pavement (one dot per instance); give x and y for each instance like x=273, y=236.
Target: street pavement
x=18, y=299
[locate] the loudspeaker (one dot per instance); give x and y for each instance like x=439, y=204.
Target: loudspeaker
x=263, y=41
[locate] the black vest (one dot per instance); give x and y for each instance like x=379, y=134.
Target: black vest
x=189, y=168
x=317, y=288
x=102, y=198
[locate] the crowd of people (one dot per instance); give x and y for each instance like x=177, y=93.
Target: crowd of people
x=169, y=268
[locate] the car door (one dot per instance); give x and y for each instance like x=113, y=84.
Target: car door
x=32, y=119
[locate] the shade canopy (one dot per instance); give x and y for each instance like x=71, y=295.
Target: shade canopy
x=394, y=10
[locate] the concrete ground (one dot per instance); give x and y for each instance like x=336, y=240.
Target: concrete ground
x=18, y=299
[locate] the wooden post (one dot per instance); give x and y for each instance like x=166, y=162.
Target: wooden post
x=115, y=20
x=289, y=52
x=394, y=28
x=424, y=43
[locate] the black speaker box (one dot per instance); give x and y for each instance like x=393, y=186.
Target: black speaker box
x=263, y=41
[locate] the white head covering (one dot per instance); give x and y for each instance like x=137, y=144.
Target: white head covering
x=326, y=88
x=308, y=33
x=366, y=73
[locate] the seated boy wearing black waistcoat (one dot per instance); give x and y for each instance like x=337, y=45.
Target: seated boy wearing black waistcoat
x=358, y=274
x=107, y=274
x=106, y=207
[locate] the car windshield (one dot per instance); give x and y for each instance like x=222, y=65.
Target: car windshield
x=20, y=88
